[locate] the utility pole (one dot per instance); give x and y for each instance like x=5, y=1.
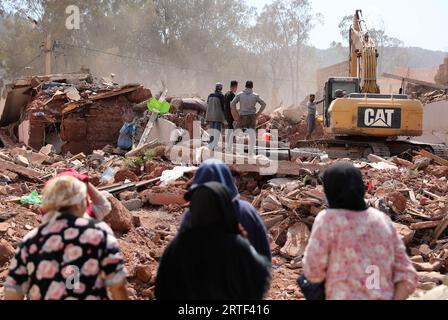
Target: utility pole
x=48, y=54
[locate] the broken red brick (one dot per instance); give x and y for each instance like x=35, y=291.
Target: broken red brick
x=398, y=201
x=119, y=219
x=143, y=273
x=6, y=252
x=125, y=174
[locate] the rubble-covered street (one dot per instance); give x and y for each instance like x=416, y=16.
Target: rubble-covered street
x=329, y=122
x=147, y=211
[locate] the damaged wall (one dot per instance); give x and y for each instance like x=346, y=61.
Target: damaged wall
x=95, y=127
x=86, y=114
x=442, y=73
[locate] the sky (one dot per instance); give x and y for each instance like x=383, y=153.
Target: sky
x=403, y=19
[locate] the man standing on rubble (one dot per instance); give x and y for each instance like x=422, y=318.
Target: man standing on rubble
x=247, y=114
x=311, y=118
x=215, y=115
x=228, y=98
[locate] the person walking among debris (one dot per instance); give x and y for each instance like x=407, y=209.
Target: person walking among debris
x=355, y=250
x=247, y=215
x=215, y=115
x=211, y=259
x=68, y=257
x=228, y=98
x=311, y=118
x=247, y=114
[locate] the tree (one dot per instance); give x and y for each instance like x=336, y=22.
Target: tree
x=345, y=26
x=382, y=40
x=292, y=21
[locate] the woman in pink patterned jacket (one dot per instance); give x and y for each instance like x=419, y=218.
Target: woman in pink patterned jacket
x=354, y=249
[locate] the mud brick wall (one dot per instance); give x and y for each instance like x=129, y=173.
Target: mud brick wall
x=442, y=74
x=94, y=127
x=322, y=75
x=37, y=134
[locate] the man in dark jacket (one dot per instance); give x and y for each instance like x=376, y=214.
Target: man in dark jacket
x=247, y=215
x=215, y=115
x=228, y=98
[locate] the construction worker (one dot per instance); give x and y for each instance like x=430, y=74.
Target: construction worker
x=311, y=118
x=215, y=115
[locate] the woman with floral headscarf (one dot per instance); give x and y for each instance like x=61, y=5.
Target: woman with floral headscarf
x=353, y=249
x=68, y=257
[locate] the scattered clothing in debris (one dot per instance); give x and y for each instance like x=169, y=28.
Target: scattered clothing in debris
x=127, y=133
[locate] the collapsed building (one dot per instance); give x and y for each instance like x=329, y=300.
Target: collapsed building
x=442, y=73
x=73, y=112
x=80, y=115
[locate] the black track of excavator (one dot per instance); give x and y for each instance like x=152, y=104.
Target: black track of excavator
x=360, y=148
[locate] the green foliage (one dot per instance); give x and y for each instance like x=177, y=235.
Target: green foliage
x=134, y=162
x=149, y=155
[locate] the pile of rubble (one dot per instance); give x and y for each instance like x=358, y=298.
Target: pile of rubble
x=291, y=125
x=134, y=190
x=146, y=187
x=413, y=194
x=74, y=112
x=442, y=73
x=434, y=96
x=146, y=210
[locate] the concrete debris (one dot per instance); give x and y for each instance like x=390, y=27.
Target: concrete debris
x=143, y=273
x=132, y=204
x=442, y=73
x=147, y=187
x=291, y=129
x=84, y=112
x=296, y=241
x=6, y=252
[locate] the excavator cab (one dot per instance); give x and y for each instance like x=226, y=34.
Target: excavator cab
x=374, y=115
x=346, y=85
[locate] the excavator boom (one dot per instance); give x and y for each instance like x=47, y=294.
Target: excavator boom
x=363, y=55
x=360, y=119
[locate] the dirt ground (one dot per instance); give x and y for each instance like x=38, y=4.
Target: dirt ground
x=142, y=247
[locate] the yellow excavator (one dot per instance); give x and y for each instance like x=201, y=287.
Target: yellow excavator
x=360, y=119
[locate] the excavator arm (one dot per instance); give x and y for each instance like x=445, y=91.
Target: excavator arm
x=363, y=55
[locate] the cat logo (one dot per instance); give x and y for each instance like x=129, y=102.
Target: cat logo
x=379, y=118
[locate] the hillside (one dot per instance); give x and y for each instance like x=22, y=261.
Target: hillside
x=408, y=57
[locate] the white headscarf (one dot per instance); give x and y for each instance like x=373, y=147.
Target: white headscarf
x=61, y=192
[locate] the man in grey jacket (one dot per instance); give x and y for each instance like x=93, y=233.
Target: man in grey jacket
x=215, y=115
x=247, y=114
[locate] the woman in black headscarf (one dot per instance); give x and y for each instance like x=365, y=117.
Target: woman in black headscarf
x=344, y=187
x=211, y=260
x=355, y=250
